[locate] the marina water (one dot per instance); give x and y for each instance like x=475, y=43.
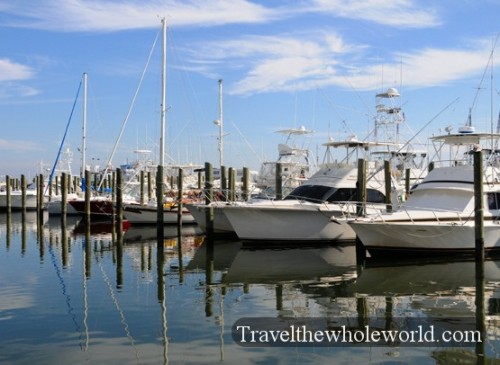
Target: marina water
x=72, y=296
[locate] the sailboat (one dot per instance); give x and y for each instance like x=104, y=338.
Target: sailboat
x=137, y=213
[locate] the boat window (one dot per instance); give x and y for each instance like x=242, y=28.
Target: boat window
x=351, y=194
x=374, y=196
x=312, y=193
x=493, y=201
x=344, y=195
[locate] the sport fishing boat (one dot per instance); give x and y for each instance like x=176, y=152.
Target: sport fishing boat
x=438, y=216
x=314, y=211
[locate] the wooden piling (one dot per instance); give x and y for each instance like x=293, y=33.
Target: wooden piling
x=64, y=196
x=279, y=181
x=407, y=181
x=361, y=187
x=141, y=177
x=231, y=192
x=478, y=205
x=159, y=203
x=86, y=216
x=119, y=203
x=23, y=194
x=40, y=198
x=209, y=197
x=180, y=193
x=199, y=179
x=150, y=186
x=8, y=197
x=245, y=194
x=388, y=185
x=223, y=182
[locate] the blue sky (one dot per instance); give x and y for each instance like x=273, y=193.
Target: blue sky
x=317, y=63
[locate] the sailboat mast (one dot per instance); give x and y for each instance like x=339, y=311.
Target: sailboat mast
x=221, y=133
x=84, y=126
x=163, y=89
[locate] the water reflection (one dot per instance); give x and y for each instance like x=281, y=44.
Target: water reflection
x=89, y=296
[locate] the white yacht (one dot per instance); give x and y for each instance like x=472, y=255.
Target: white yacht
x=313, y=211
x=438, y=217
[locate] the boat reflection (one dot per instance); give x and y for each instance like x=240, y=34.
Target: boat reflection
x=410, y=277
x=314, y=264
x=144, y=233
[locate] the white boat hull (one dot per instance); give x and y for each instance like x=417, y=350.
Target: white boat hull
x=145, y=214
x=430, y=237
x=285, y=221
x=54, y=208
x=16, y=200
x=221, y=223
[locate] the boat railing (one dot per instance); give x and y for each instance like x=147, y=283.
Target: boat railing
x=411, y=212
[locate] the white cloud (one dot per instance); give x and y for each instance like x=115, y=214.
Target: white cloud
x=18, y=146
x=429, y=67
x=95, y=15
x=400, y=13
x=303, y=62
x=10, y=71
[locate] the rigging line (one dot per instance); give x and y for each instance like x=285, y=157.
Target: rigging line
x=246, y=141
x=120, y=311
x=429, y=122
x=63, y=287
x=131, y=106
x=186, y=81
x=64, y=138
x=490, y=59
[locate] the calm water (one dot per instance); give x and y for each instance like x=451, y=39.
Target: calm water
x=70, y=298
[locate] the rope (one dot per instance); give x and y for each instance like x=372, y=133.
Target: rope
x=64, y=138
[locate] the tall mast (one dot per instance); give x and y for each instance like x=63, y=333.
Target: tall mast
x=221, y=154
x=84, y=126
x=163, y=89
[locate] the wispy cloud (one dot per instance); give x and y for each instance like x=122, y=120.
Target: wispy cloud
x=18, y=146
x=400, y=13
x=10, y=70
x=98, y=15
x=322, y=59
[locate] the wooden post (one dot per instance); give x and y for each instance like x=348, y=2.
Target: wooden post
x=150, y=186
x=199, y=179
x=142, y=187
x=119, y=203
x=388, y=185
x=209, y=197
x=407, y=181
x=8, y=197
x=40, y=198
x=23, y=194
x=159, y=203
x=279, y=181
x=361, y=187
x=223, y=182
x=231, y=184
x=479, y=205
x=180, y=205
x=246, y=182
x=86, y=217
x=64, y=196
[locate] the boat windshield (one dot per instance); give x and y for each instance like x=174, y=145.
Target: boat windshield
x=311, y=193
x=321, y=194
